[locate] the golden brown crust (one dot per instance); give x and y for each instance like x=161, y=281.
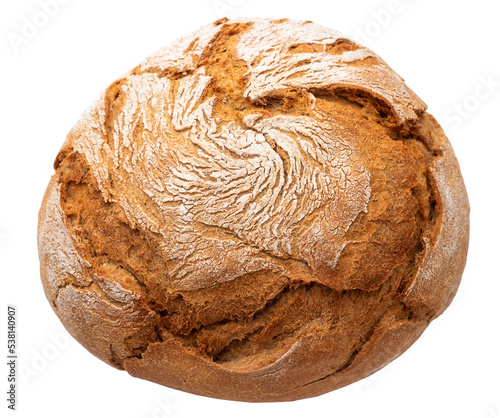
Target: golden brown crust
x=252, y=214
x=305, y=371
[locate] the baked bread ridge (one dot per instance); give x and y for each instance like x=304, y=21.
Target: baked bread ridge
x=262, y=211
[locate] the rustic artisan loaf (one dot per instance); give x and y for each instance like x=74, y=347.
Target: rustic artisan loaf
x=262, y=211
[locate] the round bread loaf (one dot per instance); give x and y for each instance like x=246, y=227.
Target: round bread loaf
x=262, y=211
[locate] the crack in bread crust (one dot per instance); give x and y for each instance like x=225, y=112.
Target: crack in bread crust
x=80, y=189
x=242, y=191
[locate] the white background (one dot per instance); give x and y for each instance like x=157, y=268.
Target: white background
x=446, y=50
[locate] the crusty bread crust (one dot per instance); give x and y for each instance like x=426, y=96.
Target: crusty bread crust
x=262, y=211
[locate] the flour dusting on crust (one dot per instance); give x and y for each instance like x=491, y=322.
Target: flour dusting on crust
x=197, y=171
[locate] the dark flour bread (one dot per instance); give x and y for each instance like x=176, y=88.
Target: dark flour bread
x=262, y=211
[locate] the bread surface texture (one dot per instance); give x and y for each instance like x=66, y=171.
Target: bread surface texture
x=261, y=211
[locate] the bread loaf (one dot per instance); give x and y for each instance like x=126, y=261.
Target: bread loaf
x=261, y=211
